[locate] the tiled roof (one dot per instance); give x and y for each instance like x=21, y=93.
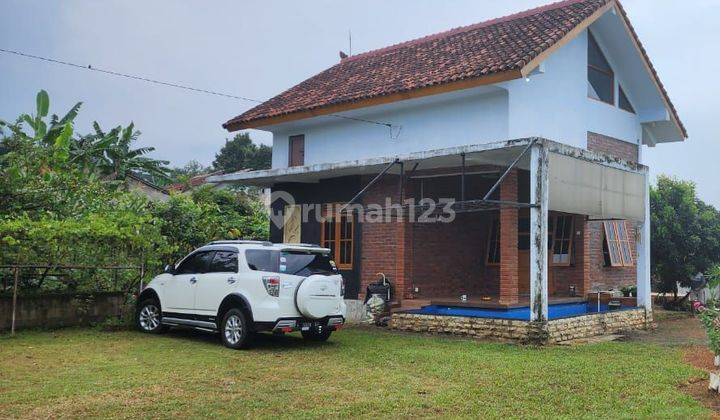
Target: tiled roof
x=193, y=182
x=498, y=47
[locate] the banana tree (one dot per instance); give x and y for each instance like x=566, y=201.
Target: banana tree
x=115, y=157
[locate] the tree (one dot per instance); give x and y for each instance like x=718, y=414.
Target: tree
x=55, y=212
x=209, y=213
x=113, y=157
x=685, y=234
x=59, y=207
x=190, y=169
x=241, y=153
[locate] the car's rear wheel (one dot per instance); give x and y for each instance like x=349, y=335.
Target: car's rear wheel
x=149, y=317
x=234, y=329
x=318, y=333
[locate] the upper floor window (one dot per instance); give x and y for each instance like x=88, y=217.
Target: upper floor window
x=601, y=79
x=623, y=101
x=297, y=150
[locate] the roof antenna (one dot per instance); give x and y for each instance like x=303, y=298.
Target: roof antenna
x=350, y=42
x=342, y=53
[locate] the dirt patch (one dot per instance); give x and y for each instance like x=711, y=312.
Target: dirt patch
x=700, y=392
x=699, y=356
x=676, y=329
x=702, y=358
x=685, y=331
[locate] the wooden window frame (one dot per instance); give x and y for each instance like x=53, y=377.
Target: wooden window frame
x=554, y=240
x=618, y=242
x=330, y=215
x=291, y=140
x=610, y=73
x=494, y=225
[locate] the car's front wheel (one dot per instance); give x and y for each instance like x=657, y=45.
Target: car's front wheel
x=149, y=317
x=234, y=330
x=318, y=333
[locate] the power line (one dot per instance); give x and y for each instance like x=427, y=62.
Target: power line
x=129, y=76
x=170, y=84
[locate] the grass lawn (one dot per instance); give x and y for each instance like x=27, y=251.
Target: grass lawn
x=79, y=372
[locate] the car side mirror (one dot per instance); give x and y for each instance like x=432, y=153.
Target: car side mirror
x=169, y=269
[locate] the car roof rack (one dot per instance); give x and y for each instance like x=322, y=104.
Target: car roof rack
x=239, y=242
x=301, y=245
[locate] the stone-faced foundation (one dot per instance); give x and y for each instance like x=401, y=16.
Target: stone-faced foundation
x=553, y=331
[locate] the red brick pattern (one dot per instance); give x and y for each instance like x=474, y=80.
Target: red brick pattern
x=598, y=275
x=448, y=258
x=509, y=279
x=612, y=146
x=386, y=246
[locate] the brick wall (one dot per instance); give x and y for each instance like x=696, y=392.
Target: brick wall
x=612, y=146
x=597, y=274
x=509, y=241
x=448, y=258
x=385, y=245
x=61, y=310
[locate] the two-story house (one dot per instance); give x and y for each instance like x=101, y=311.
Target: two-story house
x=533, y=125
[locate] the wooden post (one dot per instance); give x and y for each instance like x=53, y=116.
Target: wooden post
x=14, y=301
x=539, y=233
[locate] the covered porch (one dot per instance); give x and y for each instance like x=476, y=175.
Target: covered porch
x=526, y=215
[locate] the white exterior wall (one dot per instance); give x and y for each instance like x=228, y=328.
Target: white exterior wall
x=433, y=123
x=553, y=104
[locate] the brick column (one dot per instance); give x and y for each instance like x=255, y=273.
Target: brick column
x=586, y=257
x=386, y=245
x=403, y=276
x=508, y=241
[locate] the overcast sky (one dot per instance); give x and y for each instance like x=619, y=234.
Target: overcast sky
x=260, y=48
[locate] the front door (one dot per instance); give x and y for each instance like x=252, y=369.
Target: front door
x=180, y=290
x=220, y=280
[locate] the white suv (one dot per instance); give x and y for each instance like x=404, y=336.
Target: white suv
x=237, y=288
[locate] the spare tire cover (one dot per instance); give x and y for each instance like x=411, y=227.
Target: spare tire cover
x=319, y=296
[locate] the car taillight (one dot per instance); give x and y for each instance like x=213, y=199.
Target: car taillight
x=272, y=285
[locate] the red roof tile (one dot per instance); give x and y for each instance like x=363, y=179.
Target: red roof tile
x=493, y=47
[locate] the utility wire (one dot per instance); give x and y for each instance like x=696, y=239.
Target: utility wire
x=175, y=85
x=129, y=76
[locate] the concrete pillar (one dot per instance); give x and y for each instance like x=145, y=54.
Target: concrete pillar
x=539, y=233
x=509, y=279
x=643, y=253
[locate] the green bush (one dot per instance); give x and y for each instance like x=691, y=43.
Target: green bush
x=59, y=207
x=710, y=318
